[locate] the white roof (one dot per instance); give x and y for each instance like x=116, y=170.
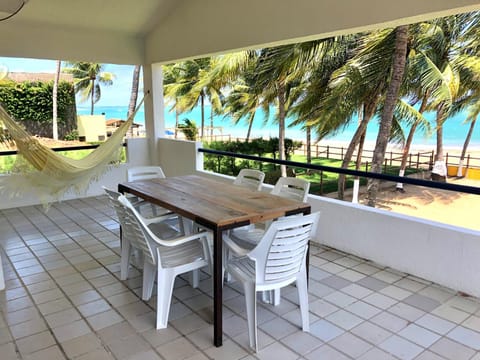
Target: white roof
x=151, y=31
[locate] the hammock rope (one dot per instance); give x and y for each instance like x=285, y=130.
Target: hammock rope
x=52, y=174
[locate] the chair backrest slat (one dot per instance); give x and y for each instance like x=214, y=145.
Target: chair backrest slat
x=144, y=173
x=131, y=229
x=250, y=178
x=292, y=188
x=280, y=255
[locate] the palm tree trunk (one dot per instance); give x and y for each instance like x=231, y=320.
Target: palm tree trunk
x=361, y=129
x=358, y=163
x=391, y=98
x=250, y=124
x=93, y=97
x=465, y=147
x=405, y=152
x=211, y=123
x=54, y=101
x=309, y=144
x=408, y=143
x=439, y=171
x=134, y=94
x=281, y=125
x=176, y=118
x=202, y=105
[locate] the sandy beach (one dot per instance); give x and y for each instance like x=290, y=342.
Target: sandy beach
x=447, y=207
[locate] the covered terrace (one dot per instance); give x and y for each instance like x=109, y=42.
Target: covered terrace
x=382, y=285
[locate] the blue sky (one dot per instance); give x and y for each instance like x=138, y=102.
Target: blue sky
x=117, y=94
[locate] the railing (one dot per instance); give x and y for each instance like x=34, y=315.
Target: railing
x=415, y=160
x=365, y=174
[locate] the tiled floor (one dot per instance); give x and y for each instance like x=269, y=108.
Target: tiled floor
x=64, y=299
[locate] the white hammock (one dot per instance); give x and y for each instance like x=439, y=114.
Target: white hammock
x=48, y=173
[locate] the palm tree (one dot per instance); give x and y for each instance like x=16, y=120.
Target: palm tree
x=354, y=87
x=211, y=87
x=190, y=94
x=134, y=94
x=447, y=45
x=87, y=80
x=54, y=99
x=325, y=58
x=398, y=68
x=279, y=77
x=172, y=90
x=243, y=102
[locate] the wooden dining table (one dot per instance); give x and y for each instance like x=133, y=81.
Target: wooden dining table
x=217, y=206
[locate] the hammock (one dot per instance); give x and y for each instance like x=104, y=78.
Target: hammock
x=48, y=173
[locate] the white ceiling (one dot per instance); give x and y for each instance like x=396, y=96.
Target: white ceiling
x=149, y=31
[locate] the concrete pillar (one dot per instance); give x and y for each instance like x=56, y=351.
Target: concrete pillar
x=154, y=108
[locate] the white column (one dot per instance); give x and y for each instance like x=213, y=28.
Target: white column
x=154, y=108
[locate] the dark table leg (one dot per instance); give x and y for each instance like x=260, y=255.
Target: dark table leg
x=217, y=288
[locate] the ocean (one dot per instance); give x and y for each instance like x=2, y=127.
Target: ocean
x=454, y=133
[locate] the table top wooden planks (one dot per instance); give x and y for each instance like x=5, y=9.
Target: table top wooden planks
x=213, y=203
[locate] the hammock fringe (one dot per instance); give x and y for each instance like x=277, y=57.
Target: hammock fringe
x=50, y=174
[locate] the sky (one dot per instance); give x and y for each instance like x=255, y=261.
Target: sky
x=117, y=94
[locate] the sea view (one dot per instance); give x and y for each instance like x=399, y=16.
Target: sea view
x=454, y=133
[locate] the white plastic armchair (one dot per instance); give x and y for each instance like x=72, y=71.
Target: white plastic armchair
x=169, y=225
x=292, y=188
x=250, y=178
x=144, y=172
x=287, y=187
x=167, y=257
x=278, y=260
x=139, y=173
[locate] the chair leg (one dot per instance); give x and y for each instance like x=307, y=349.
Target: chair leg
x=303, y=299
x=267, y=296
x=125, y=259
x=195, y=278
x=276, y=297
x=154, y=210
x=148, y=280
x=165, y=281
x=251, y=304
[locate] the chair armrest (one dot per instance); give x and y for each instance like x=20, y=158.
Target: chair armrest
x=234, y=247
x=157, y=219
x=182, y=240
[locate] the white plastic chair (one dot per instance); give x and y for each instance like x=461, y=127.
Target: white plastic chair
x=292, y=188
x=278, y=260
x=248, y=237
x=168, y=225
x=144, y=172
x=250, y=178
x=287, y=187
x=139, y=173
x=168, y=257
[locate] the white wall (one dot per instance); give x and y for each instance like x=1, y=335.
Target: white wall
x=441, y=253
x=179, y=157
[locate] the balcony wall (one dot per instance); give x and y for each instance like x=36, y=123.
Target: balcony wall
x=437, y=252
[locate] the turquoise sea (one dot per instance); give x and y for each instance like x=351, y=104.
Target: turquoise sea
x=454, y=128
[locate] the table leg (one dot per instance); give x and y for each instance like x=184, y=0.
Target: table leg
x=217, y=288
